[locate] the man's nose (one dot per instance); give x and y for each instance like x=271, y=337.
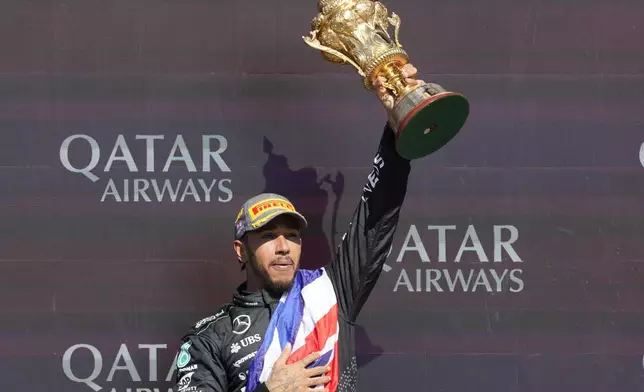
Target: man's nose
x=281, y=246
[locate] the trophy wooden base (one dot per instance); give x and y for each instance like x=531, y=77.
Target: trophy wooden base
x=426, y=119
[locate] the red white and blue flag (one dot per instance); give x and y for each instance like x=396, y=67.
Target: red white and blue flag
x=306, y=317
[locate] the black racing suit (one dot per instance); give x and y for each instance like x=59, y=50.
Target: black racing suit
x=218, y=351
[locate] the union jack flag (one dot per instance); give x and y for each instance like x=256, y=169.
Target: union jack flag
x=307, y=318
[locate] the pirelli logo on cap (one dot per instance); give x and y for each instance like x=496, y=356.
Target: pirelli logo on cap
x=268, y=205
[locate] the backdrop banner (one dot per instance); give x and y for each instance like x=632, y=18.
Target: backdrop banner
x=132, y=132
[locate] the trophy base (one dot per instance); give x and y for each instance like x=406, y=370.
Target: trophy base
x=425, y=122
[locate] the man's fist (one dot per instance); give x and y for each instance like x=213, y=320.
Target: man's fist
x=408, y=71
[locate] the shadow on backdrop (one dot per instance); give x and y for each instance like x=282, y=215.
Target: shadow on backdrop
x=306, y=191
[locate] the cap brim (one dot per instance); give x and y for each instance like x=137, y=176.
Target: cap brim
x=299, y=217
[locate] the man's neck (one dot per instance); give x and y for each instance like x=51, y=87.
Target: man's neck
x=253, y=284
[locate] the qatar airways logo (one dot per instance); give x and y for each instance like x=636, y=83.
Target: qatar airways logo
x=135, y=168
x=472, y=266
x=86, y=364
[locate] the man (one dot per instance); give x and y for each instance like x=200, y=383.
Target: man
x=291, y=330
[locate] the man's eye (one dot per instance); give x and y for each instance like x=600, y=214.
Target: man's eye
x=267, y=235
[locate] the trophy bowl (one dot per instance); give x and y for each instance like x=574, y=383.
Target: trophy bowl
x=424, y=116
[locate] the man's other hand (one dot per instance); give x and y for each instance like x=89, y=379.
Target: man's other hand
x=296, y=377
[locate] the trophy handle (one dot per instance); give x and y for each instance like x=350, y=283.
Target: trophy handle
x=394, y=19
x=313, y=42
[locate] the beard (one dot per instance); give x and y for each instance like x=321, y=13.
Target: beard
x=276, y=286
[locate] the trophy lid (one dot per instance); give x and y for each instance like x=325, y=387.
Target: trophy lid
x=327, y=7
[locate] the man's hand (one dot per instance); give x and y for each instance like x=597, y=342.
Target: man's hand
x=296, y=377
x=408, y=71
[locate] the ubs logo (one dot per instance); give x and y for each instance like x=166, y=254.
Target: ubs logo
x=250, y=340
x=245, y=342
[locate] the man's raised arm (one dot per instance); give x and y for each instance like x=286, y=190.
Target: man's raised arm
x=365, y=245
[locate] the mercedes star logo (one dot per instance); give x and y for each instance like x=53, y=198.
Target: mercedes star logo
x=241, y=324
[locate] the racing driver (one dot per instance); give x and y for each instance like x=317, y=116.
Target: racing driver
x=217, y=352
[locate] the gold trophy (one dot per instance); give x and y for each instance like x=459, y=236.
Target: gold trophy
x=424, y=116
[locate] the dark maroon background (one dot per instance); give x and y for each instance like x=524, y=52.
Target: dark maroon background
x=551, y=146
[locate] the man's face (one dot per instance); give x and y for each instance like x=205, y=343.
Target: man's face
x=276, y=248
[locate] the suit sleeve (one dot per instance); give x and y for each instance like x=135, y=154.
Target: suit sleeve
x=366, y=243
x=199, y=365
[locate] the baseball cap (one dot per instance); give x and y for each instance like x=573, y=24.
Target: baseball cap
x=261, y=209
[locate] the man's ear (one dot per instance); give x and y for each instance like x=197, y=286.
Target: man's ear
x=239, y=250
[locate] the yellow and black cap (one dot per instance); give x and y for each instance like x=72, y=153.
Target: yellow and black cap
x=261, y=209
